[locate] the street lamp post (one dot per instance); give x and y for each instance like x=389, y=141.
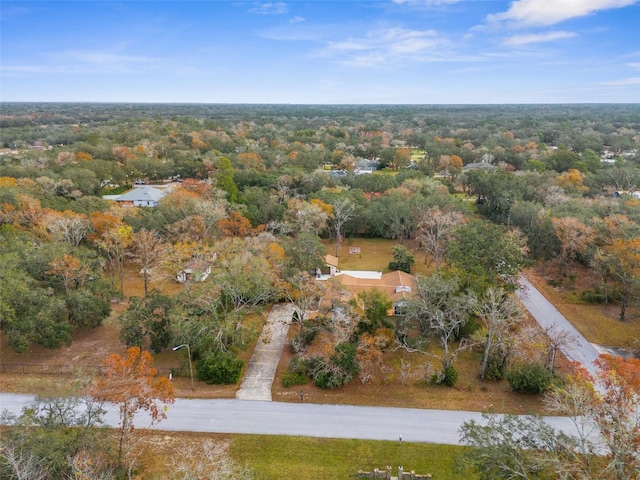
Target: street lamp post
x=193, y=387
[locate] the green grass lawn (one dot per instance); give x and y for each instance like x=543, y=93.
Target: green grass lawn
x=375, y=254
x=277, y=457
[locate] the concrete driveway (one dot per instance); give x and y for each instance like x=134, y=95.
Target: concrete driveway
x=258, y=378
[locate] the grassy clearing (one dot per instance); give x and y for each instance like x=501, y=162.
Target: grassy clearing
x=275, y=458
x=375, y=254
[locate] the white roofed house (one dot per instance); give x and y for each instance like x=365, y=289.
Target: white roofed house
x=141, y=197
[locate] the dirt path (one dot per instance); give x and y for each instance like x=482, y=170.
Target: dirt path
x=261, y=371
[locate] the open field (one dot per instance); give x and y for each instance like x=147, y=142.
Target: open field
x=375, y=254
x=277, y=457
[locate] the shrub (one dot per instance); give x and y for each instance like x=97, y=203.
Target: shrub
x=599, y=296
x=219, y=368
x=532, y=378
x=447, y=377
x=402, y=259
x=332, y=373
x=297, y=374
x=496, y=367
x=468, y=329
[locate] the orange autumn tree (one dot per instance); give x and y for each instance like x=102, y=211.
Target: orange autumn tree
x=69, y=270
x=575, y=238
x=604, y=410
x=132, y=383
x=621, y=262
x=235, y=225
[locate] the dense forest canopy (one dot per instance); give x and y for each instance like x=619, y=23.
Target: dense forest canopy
x=260, y=187
x=248, y=198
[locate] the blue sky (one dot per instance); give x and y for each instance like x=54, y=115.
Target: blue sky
x=321, y=52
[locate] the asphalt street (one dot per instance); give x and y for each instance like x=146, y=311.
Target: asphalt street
x=301, y=419
x=580, y=350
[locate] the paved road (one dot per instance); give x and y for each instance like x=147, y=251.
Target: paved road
x=547, y=315
x=302, y=419
x=258, y=378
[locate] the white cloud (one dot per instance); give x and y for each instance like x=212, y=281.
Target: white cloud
x=101, y=58
x=624, y=82
x=385, y=48
x=519, y=40
x=296, y=19
x=269, y=8
x=70, y=62
x=550, y=12
x=633, y=65
x=425, y=3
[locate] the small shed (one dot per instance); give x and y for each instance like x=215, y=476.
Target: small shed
x=331, y=262
x=194, y=271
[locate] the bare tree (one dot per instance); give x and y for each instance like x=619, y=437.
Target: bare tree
x=211, y=211
x=69, y=227
x=556, y=339
x=148, y=248
x=210, y=460
x=305, y=294
x=434, y=228
x=20, y=464
x=500, y=313
x=343, y=211
x=441, y=310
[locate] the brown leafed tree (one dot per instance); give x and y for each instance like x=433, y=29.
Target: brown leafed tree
x=370, y=356
x=620, y=262
x=132, y=383
x=115, y=243
x=434, y=229
x=234, y=225
x=69, y=270
x=148, y=248
x=575, y=237
x=606, y=405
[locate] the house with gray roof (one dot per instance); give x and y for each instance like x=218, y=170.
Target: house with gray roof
x=141, y=197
